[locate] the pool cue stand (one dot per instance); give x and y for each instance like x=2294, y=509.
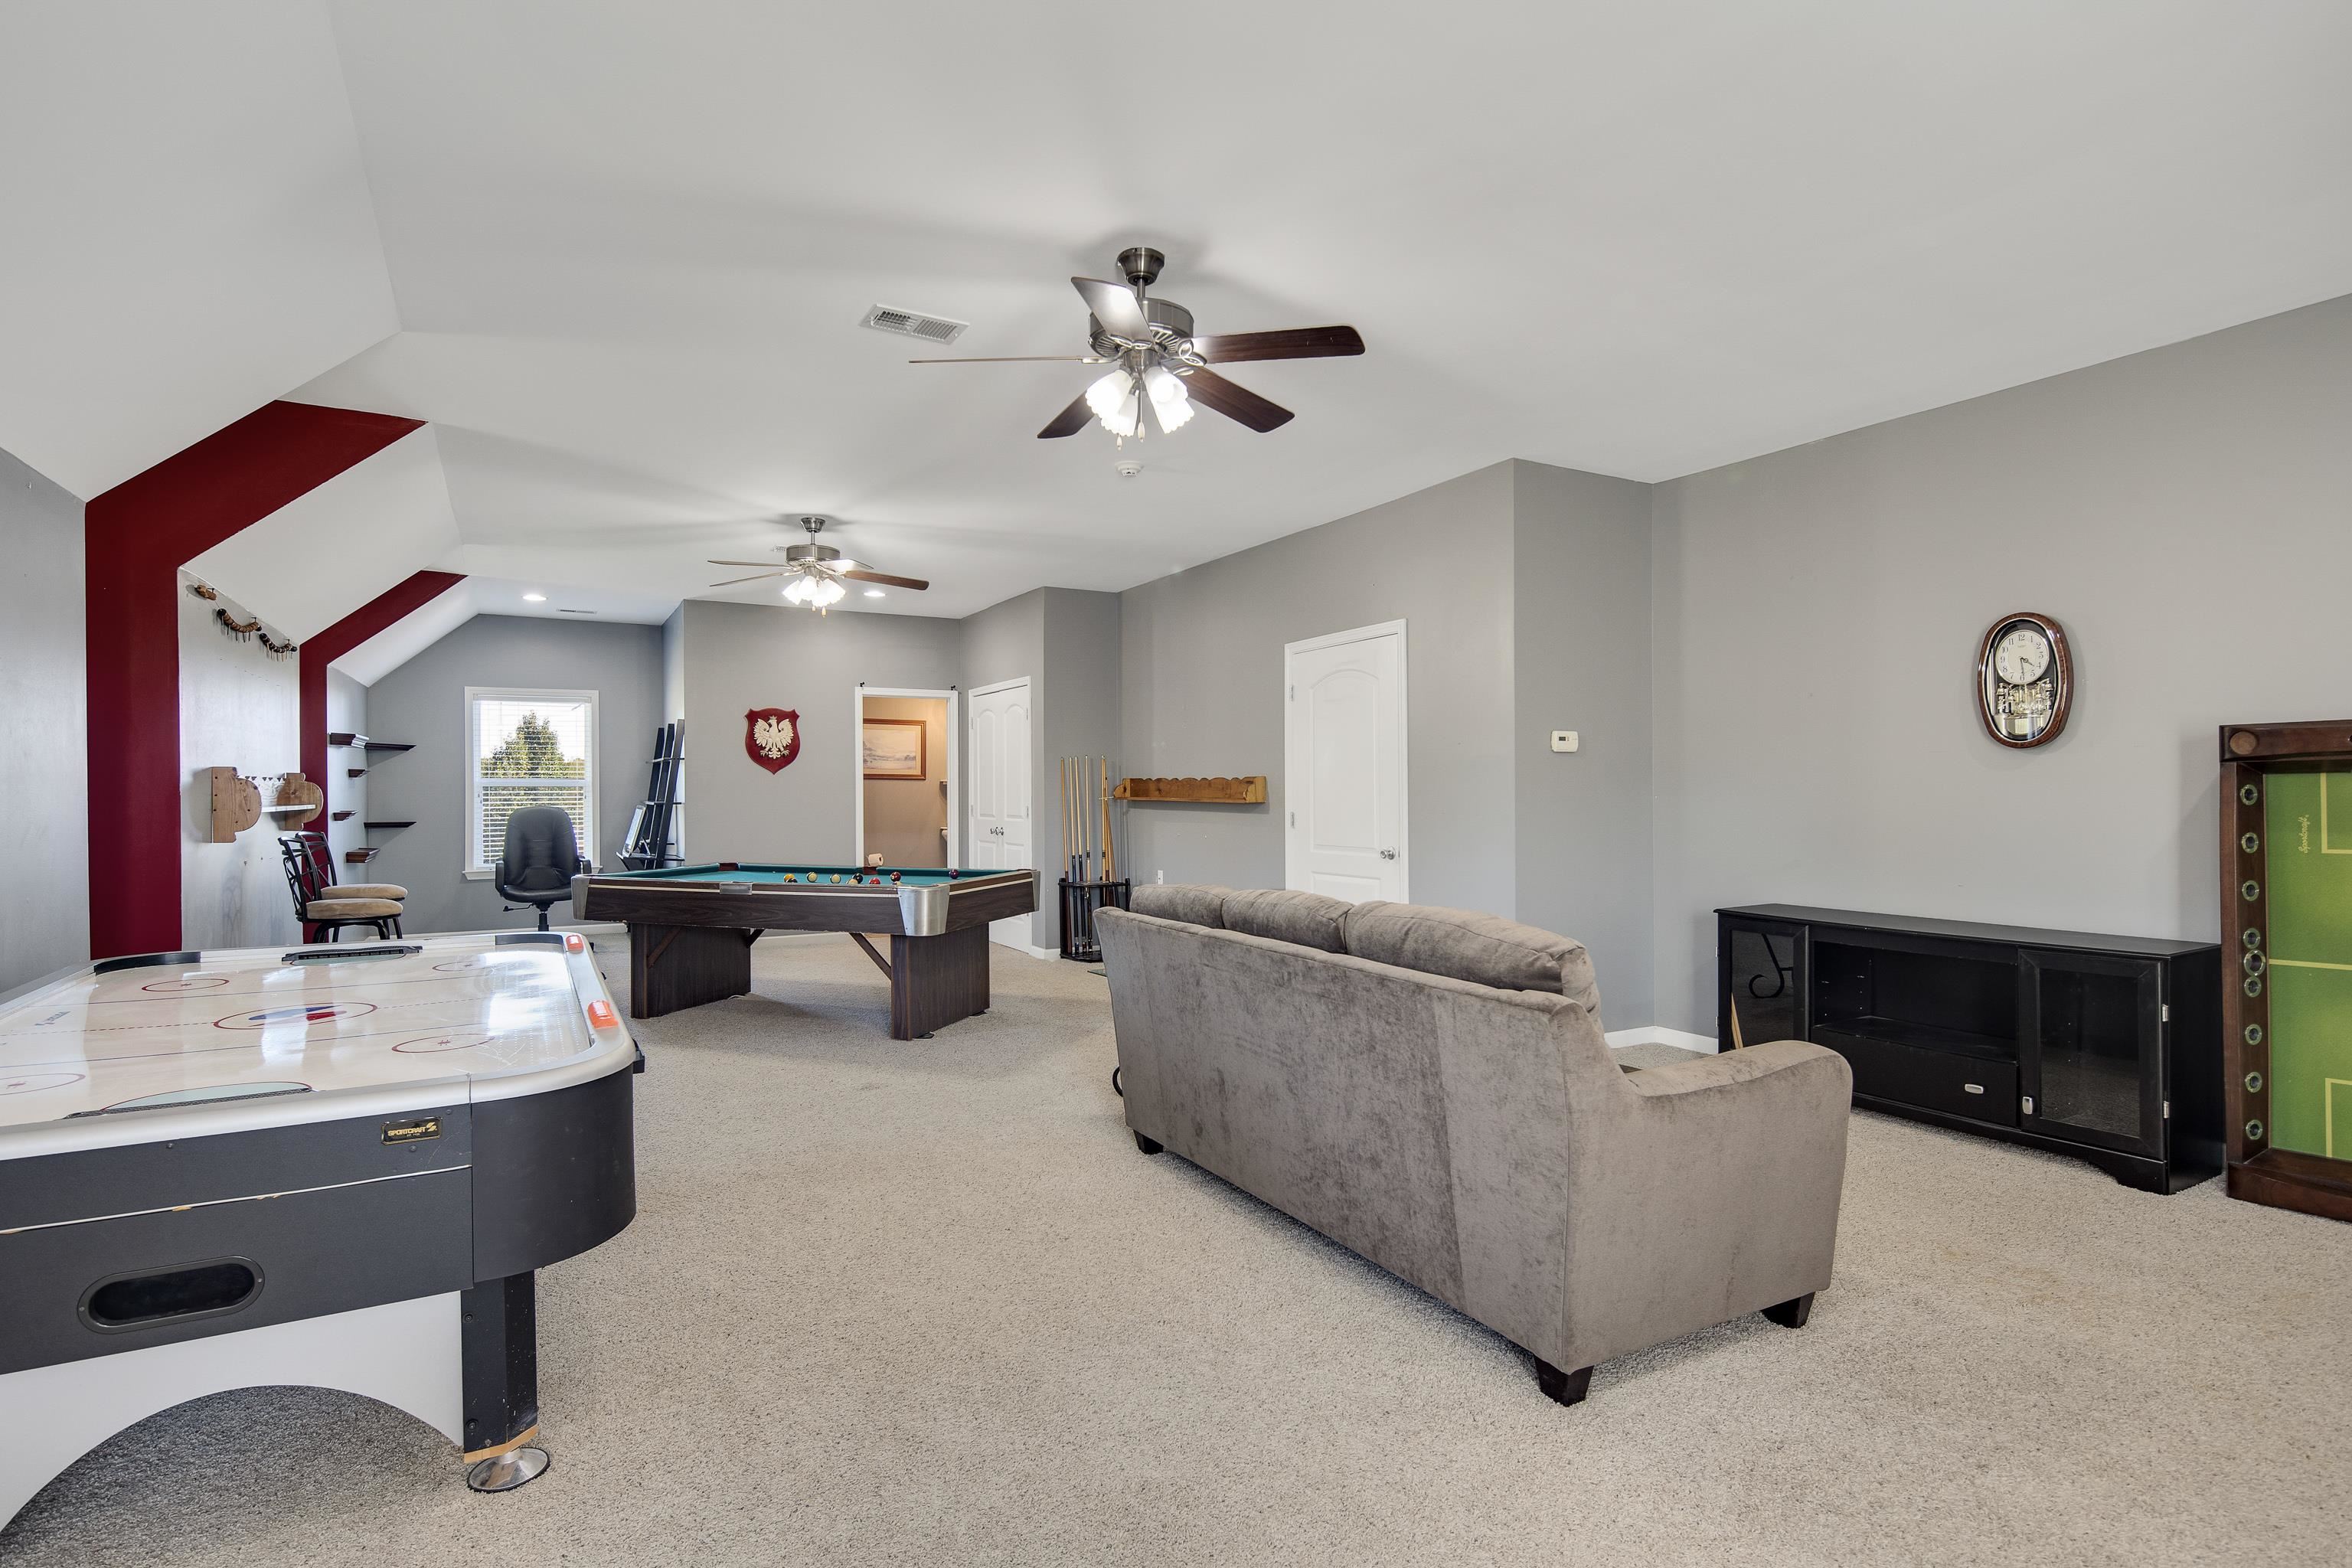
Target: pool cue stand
x=1079, y=902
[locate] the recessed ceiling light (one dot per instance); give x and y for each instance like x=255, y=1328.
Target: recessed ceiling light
x=534, y=599
x=873, y=593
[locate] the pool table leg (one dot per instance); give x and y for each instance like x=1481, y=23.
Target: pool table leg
x=937, y=980
x=672, y=967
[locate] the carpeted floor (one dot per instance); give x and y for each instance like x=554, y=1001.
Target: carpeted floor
x=924, y=1303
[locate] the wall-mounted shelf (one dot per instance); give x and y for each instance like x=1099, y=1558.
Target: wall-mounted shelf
x=355, y=772
x=1249, y=791
x=373, y=827
x=349, y=738
x=359, y=856
x=344, y=816
x=238, y=803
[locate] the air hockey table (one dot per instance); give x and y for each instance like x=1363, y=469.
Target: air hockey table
x=335, y=1165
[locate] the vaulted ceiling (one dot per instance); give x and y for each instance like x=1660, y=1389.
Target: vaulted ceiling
x=618, y=255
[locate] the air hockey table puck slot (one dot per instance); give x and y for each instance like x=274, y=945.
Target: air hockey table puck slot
x=141, y=1300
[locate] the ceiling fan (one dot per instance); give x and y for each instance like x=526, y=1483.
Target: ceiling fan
x=1162, y=367
x=813, y=572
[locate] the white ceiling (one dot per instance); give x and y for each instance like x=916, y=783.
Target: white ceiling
x=185, y=228
x=332, y=549
x=630, y=247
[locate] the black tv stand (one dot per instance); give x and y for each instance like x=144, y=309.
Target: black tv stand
x=2105, y=1047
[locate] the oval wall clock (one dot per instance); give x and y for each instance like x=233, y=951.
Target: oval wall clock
x=2025, y=679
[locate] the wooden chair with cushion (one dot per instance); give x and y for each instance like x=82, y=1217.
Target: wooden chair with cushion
x=325, y=908
x=322, y=861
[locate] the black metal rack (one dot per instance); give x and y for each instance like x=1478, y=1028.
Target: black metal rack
x=651, y=841
x=1079, y=902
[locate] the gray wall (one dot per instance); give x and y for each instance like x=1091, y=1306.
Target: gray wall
x=742, y=656
x=1580, y=572
x=45, y=774
x=1200, y=679
x=238, y=708
x=2185, y=513
x=672, y=666
x=347, y=711
x=424, y=702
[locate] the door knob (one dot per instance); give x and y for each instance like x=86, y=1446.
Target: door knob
x=1388, y=854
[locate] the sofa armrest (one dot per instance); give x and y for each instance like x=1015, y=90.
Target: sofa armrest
x=1714, y=1192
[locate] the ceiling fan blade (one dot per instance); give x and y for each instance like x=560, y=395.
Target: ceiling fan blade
x=917, y=583
x=1293, y=343
x=752, y=578
x=1069, y=421
x=1016, y=359
x=1114, y=306
x=1238, y=403
x=771, y=565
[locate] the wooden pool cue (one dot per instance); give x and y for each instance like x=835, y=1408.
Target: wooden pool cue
x=1111, y=856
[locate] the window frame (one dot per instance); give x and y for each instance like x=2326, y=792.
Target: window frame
x=474, y=870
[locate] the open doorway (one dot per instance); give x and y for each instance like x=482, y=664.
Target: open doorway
x=907, y=804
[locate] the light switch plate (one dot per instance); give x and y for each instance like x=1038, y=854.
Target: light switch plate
x=1563, y=739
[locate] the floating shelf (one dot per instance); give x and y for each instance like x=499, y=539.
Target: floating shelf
x=350, y=738
x=355, y=772
x=359, y=856
x=372, y=826
x=1250, y=791
x=345, y=815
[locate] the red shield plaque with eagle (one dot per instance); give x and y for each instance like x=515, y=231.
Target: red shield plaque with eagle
x=771, y=737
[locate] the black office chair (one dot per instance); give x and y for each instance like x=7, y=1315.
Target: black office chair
x=540, y=856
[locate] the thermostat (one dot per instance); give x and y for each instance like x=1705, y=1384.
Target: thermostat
x=1563, y=739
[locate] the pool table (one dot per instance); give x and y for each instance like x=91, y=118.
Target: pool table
x=691, y=929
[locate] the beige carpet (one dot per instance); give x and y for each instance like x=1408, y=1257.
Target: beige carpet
x=925, y=1304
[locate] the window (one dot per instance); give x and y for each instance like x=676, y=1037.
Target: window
x=526, y=747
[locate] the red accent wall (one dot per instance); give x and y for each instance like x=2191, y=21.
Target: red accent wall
x=136, y=538
x=395, y=604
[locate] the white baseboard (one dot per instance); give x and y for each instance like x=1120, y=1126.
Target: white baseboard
x=1659, y=1035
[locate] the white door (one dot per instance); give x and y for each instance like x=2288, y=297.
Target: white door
x=1344, y=758
x=1000, y=792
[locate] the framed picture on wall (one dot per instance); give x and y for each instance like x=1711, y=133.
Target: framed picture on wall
x=896, y=749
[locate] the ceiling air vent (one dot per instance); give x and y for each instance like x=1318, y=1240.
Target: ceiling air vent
x=914, y=324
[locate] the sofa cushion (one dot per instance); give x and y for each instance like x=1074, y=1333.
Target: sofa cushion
x=1287, y=914
x=1486, y=950
x=1194, y=904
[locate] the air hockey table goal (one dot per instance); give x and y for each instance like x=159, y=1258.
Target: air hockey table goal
x=337, y=1166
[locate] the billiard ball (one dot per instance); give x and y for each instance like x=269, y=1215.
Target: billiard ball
x=896, y=875
x=836, y=876
x=729, y=866
x=953, y=874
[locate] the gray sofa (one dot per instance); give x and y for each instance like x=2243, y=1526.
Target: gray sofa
x=1430, y=1088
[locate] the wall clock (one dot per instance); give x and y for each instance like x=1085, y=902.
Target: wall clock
x=2025, y=679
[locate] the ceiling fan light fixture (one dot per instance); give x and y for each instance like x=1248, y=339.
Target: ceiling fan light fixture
x=1170, y=401
x=1106, y=394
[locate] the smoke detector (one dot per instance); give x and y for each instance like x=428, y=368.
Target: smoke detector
x=914, y=324
x=1126, y=467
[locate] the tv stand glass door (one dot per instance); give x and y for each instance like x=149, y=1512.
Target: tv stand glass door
x=2092, y=1037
